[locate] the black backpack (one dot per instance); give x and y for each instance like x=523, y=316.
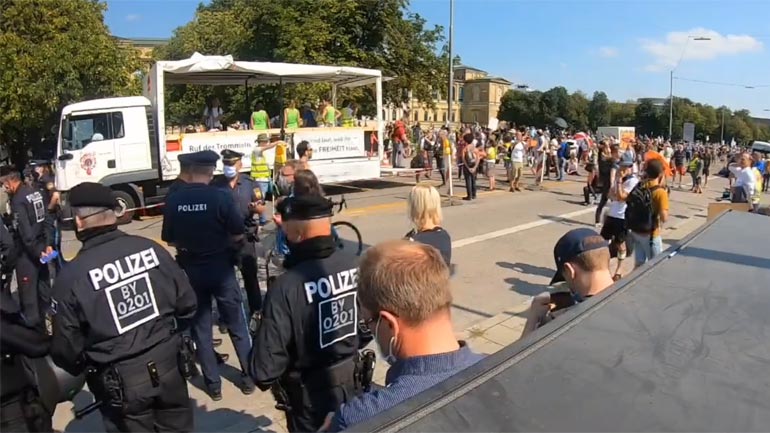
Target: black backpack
x=640, y=215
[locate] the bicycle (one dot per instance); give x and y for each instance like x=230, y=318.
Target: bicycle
x=278, y=250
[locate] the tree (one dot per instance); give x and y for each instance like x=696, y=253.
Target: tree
x=599, y=111
x=555, y=103
x=380, y=35
x=60, y=52
x=521, y=108
x=577, y=111
x=621, y=114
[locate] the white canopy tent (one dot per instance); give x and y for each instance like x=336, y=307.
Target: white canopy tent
x=224, y=70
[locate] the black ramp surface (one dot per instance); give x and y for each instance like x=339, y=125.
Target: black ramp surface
x=682, y=346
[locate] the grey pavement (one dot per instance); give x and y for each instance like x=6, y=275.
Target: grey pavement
x=502, y=249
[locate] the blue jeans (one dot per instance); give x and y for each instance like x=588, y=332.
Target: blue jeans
x=217, y=279
x=264, y=187
x=644, y=249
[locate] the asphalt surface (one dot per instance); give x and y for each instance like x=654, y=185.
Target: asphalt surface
x=502, y=253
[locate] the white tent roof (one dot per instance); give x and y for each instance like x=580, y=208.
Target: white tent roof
x=223, y=70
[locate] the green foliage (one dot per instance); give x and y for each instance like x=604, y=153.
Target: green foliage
x=55, y=52
x=540, y=109
x=325, y=32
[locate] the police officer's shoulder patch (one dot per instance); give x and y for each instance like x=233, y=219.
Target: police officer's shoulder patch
x=336, y=298
x=126, y=284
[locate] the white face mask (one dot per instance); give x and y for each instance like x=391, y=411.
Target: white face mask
x=230, y=171
x=390, y=358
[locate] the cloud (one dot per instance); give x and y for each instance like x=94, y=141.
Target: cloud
x=133, y=17
x=667, y=52
x=608, y=52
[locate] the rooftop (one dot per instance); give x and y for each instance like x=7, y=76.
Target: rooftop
x=144, y=42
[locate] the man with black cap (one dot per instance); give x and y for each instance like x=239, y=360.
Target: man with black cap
x=249, y=201
x=583, y=264
x=29, y=212
x=204, y=225
x=119, y=309
x=306, y=348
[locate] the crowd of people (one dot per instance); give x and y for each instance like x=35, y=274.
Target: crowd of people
x=308, y=115
x=137, y=322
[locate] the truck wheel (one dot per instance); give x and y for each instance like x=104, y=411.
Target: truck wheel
x=125, y=202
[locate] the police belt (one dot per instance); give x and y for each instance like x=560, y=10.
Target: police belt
x=135, y=371
x=341, y=373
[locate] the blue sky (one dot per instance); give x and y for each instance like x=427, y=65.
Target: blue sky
x=624, y=47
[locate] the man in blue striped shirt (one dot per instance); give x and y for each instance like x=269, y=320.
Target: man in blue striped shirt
x=403, y=288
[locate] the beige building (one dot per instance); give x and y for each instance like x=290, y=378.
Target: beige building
x=476, y=99
x=143, y=46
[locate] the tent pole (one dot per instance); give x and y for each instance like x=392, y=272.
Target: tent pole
x=248, y=102
x=380, y=122
x=280, y=102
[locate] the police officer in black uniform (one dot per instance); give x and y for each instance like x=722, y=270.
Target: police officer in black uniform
x=306, y=348
x=29, y=212
x=21, y=409
x=204, y=225
x=120, y=307
x=249, y=202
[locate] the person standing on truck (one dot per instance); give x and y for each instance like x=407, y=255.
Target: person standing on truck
x=306, y=347
x=120, y=307
x=203, y=224
x=244, y=189
x=291, y=116
x=260, y=170
x=330, y=115
x=349, y=114
x=582, y=260
x=29, y=213
x=259, y=121
x=308, y=116
x=213, y=114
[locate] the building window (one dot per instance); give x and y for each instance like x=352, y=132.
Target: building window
x=444, y=117
x=476, y=94
x=460, y=94
x=425, y=116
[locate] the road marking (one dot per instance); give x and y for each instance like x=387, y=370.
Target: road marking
x=519, y=228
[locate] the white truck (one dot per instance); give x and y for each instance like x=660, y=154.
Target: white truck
x=625, y=134
x=126, y=144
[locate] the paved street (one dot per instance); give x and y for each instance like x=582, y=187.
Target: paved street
x=502, y=249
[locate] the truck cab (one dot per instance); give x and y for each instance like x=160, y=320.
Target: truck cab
x=109, y=141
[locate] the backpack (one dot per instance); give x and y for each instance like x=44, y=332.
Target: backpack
x=640, y=215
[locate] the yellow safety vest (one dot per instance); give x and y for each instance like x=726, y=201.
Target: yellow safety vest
x=259, y=167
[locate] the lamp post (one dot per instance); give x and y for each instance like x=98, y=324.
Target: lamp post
x=450, y=94
x=671, y=84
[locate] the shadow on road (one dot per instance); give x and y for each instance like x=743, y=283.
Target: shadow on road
x=205, y=420
x=567, y=221
x=525, y=287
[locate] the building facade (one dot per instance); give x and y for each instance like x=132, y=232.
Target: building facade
x=476, y=99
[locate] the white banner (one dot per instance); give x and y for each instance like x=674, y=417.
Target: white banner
x=239, y=141
x=688, y=133
x=334, y=143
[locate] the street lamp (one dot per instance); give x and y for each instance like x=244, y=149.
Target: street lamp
x=671, y=83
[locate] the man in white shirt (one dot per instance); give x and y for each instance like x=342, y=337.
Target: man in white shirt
x=614, y=228
x=518, y=151
x=745, y=181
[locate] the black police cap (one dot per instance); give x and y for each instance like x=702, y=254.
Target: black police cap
x=231, y=156
x=90, y=194
x=306, y=207
x=204, y=158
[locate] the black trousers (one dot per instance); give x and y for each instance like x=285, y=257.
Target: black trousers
x=470, y=182
x=24, y=413
x=162, y=408
x=310, y=405
x=247, y=265
x=602, y=202
x=34, y=289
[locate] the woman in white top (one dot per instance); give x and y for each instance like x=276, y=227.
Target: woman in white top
x=212, y=115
